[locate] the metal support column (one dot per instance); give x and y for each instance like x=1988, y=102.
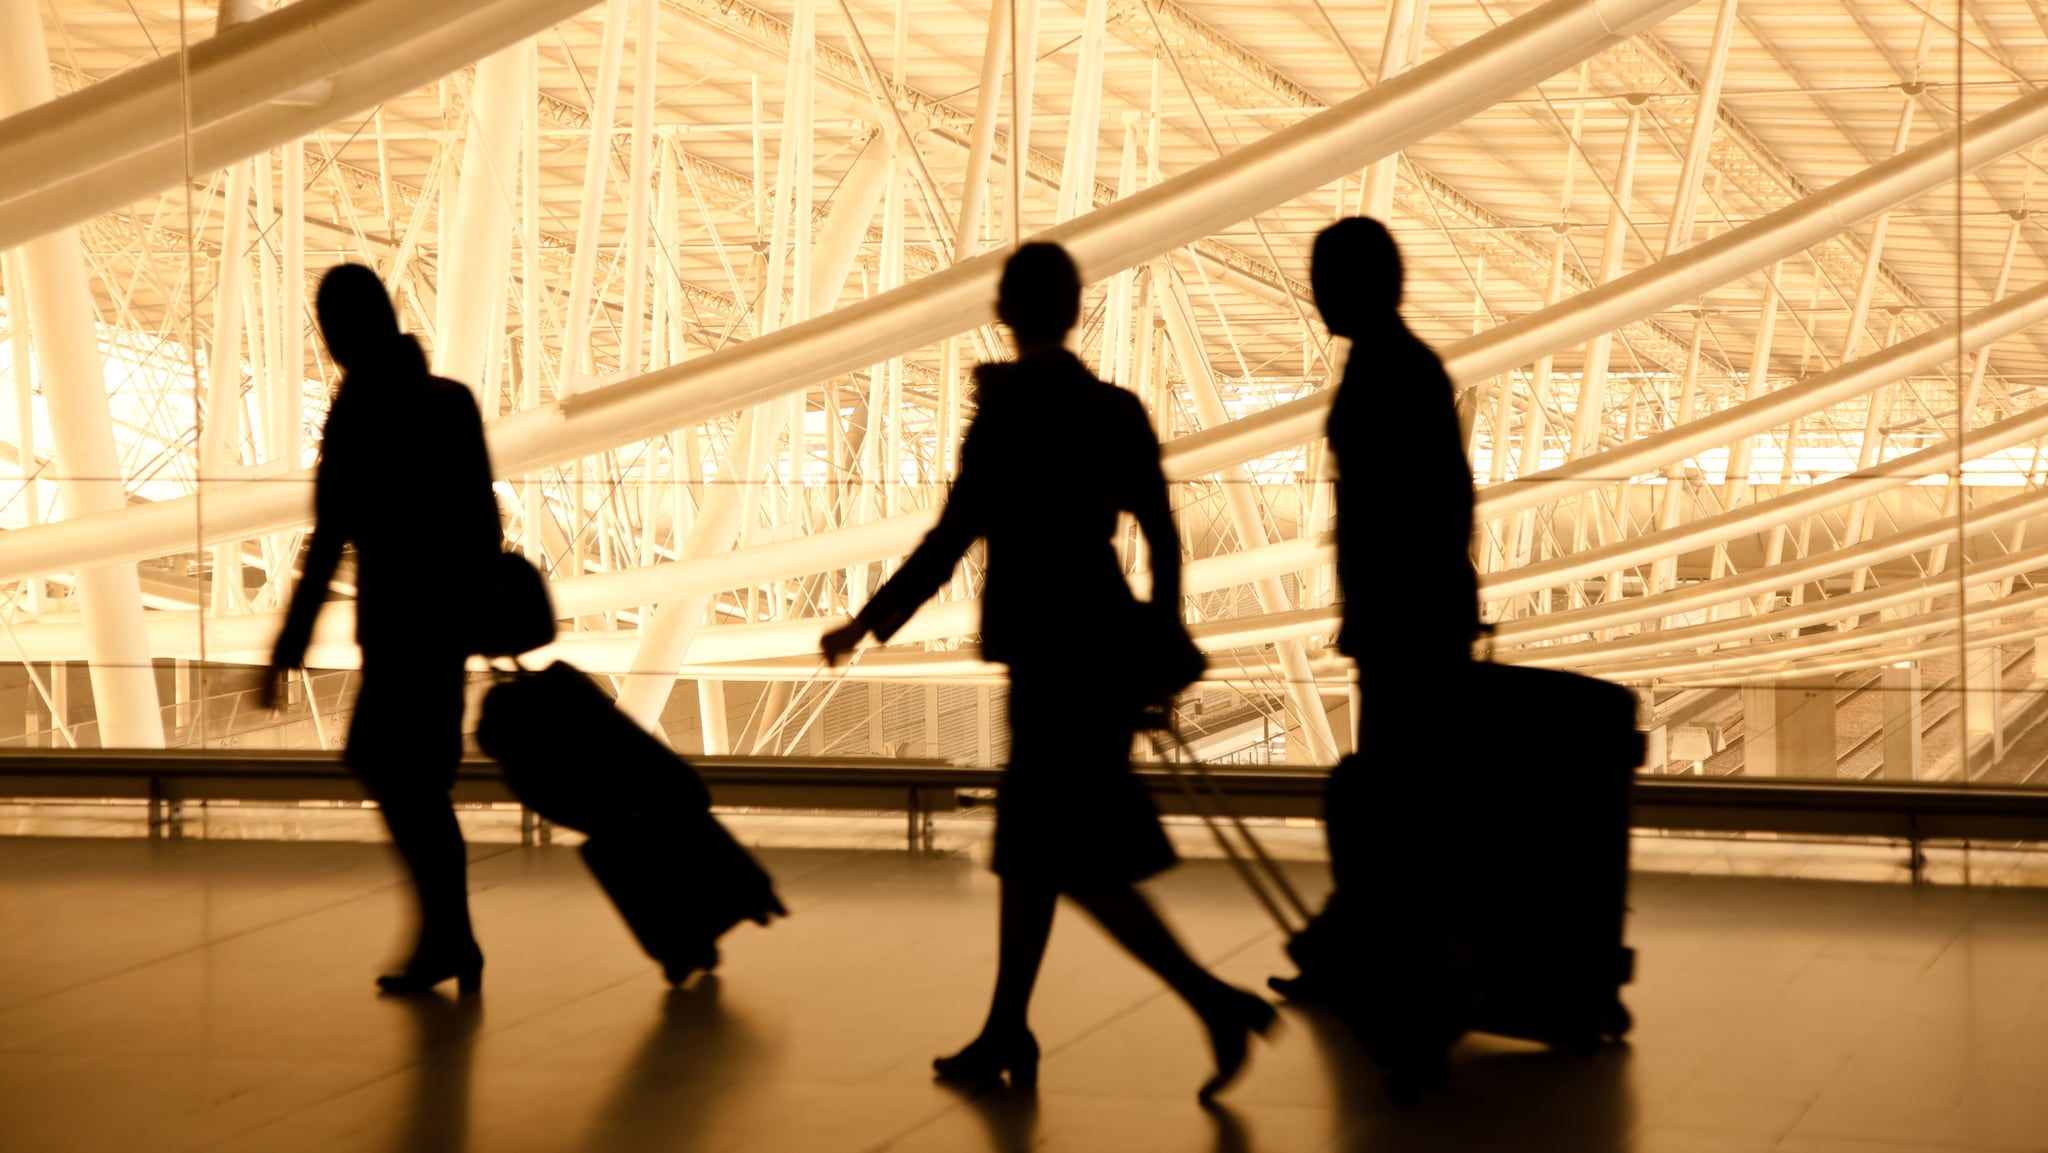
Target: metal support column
x=1593, y=379
x=67, y=352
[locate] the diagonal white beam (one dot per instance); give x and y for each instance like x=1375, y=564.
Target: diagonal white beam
x=124, y=138
x=1862, y=484
x=1733, y=254
x=1772, y=410
x=1289, y=163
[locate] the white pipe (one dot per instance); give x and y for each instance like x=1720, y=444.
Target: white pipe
x=1023, y=71
x=590, y=210
x=1592, y=407
x=1711, y=530
x=1785, y=622
x=981, y=144
x=1771, y=409
x=1710, y=264
x=1684, y=212
x=67, y=353
x=1168, y=215
x=479, y=247
x=1242, y=505
x=1727, y=590
x=845, y=226
x=125, y=137
x=646, y=66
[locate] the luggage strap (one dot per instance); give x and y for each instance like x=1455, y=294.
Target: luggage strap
x=1267, y=883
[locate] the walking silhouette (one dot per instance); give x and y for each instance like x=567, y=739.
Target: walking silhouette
x=1051, y=458
x=404, y=476
x=1404, y=570
x=1404, y=487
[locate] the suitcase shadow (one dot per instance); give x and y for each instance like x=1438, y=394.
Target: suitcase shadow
x=670, y=1092
x=1502, y=1095
x=444, y=1038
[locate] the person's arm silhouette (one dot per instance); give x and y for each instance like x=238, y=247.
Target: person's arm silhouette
x=928, y=567
x=323, y=556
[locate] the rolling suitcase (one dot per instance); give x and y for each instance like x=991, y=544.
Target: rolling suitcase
x=673, y=872
x=1485, y=898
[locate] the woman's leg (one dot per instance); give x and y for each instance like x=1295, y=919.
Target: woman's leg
x=405, y=743
x=1021, y=935
x=1230, y=1014
x=1005, y=1044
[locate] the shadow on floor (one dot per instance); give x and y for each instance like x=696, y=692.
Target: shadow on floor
x=669, y=1095
x=1503, y=1095
x=444, y=1036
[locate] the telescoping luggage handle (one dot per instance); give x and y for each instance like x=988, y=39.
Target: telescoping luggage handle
x=1267, y=882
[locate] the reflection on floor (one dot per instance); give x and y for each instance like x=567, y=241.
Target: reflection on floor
x=186, y=995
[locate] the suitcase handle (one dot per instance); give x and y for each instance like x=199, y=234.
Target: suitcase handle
x=1268, y=873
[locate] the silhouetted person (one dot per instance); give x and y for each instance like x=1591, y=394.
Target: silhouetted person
x=1404, y=487
x=1051, y=458
x=1404, y=569
x=405, y=477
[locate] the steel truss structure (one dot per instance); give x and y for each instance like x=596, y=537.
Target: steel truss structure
x=1744, y=304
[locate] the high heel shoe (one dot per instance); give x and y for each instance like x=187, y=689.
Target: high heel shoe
x=426, y=970
x=1231, y=1024
x=986, y=1059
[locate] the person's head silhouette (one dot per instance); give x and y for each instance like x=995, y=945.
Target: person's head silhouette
x=1040, y=296
x=356, y=318
x=1355, y=273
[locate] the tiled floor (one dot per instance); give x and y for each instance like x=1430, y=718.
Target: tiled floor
x=202, y=994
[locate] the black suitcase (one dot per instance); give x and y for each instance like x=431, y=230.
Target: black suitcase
x=674, y=873
x=1486, y=895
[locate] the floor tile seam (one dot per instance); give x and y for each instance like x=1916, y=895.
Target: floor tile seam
x=960, y=1104
x=328, y=1099
x=207, y=943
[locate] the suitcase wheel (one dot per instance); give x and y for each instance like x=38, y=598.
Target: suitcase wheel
x=772, y=909
x=679, y=969
x=1409, y=1082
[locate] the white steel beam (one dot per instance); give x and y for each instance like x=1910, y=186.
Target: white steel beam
x=476, y=255
x=1285, y=164
x=1710, y=264
x=127, y=136
x=67, y=351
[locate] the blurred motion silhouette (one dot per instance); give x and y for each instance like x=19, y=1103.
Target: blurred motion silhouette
x=1052, y=456
x=405, y=477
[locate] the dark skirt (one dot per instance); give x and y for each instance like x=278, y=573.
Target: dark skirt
x=1070, y=813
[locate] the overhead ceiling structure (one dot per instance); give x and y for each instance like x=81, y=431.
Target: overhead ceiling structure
x=1744, y=304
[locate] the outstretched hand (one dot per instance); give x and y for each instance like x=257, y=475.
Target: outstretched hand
x=842, y=640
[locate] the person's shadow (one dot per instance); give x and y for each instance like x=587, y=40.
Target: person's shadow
x=444, y=1039
x=1009, y=1118
x=669, y=1094
x=1502, y=1096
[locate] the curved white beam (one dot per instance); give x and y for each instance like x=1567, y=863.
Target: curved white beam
x=125, y=137
x=1691, y=597
x=1286, y=164
x=1673, y=280
x=1693, y=640
x=1772, y=410
x=1859, y=485
x=1805, y=654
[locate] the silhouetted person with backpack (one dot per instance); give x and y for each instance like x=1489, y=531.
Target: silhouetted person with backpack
x=1053, y=455
x=405, y=477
